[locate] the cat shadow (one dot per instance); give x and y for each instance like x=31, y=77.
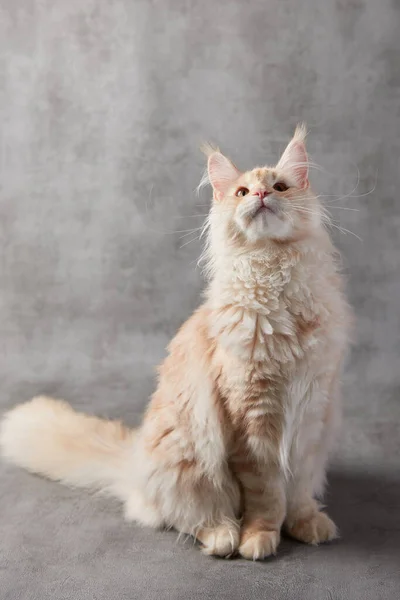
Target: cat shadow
x=366, y=509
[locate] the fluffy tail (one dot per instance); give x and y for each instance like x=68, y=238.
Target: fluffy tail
x=48, y=437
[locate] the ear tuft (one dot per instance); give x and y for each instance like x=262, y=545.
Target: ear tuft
x=300, y=133
x=207, y=148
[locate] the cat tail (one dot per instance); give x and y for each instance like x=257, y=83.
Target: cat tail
x=48, y=437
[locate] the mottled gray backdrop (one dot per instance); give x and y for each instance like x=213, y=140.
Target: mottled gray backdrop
x=103, y=105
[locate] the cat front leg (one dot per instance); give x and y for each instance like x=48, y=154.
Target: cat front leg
x=305, y=521
x=208, y=509
x=220, y=539
x=255, y=463
x=264, y=508
x=186, y=484
x=186, y=498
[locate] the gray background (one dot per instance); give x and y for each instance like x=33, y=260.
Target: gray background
x=103, y=105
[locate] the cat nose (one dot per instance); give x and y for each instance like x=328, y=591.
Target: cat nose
x=261, y=193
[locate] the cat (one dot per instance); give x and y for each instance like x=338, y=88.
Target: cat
x=235, y=441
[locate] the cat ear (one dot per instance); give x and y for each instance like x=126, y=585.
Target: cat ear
x=294, y=160
x=221, y=173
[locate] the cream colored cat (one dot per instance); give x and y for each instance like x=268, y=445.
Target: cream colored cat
x=235, y=441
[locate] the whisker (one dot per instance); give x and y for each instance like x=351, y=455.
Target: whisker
x=308, y=210
x=343, y=208
x=172, y=232
x=351, y=193
x=345, y=231
x=197, y=237
x=189, y=216
x=327, y=219
x=354, y=195
x=190, y=232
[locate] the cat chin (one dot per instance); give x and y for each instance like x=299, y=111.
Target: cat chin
x=267, y=227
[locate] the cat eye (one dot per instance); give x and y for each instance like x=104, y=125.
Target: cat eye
x=242, y=191
x=279, y=186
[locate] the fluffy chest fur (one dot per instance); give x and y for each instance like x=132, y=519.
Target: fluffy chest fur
x=275, y=313
x=279, y=331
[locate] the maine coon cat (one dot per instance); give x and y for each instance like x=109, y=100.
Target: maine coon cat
x=235, y=440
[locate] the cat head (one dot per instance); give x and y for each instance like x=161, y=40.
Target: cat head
x=266, y=203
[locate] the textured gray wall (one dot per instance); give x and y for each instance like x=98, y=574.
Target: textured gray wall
x=102, y=106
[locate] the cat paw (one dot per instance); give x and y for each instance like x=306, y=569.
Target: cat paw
x=259, y=545
x=313, y=530
x=222, y=540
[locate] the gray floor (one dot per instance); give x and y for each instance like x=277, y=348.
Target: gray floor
x=103, y=105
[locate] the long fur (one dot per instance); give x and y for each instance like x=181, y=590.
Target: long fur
x=48, y=437
x=236, y=438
